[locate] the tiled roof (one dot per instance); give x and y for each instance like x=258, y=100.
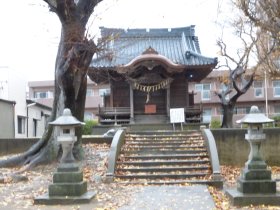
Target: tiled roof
x=179, y=45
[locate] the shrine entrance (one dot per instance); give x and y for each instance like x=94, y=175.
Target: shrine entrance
x=150, y=107
x=154, y=103
x=148, y=73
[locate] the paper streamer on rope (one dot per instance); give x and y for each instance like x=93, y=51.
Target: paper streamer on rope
x=152, y=88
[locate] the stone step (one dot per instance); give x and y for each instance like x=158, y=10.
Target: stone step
x=163, y=157
x=140, y=138
x=157, y=138
x=166, y=156
x=162, y=176
x=165, y=151
x=160, y=148
x=161, y=163
x=206, y=180
x=165, y=142
x=165, y=145
x=165, y=169
x=163, y=133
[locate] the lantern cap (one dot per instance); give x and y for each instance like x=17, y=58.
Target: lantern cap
x=66, y=119
x=255, y=117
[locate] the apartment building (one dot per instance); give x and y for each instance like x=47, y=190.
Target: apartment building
x=19, y=117
x=264, y=93
x=43, y=92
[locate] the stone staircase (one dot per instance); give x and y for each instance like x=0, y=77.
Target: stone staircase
x=164, y=158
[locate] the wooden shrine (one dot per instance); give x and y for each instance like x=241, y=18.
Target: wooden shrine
x=148, y=72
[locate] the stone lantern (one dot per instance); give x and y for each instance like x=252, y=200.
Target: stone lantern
x=255, y=185
x=68, y=186
x=66, y=137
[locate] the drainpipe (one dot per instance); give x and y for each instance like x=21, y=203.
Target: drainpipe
x=14, y=121
x=266, y=101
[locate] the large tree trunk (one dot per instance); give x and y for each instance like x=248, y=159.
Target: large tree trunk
x=227, y=116
x=74, y=55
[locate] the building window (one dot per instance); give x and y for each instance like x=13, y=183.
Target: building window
x=277, y=109
x=242, y=110
x=21, y=124
x=223, y=88
x=88, y=115
x=43, y=94
x=258, y=89
x=276, y=88
x=204, y=89
x=104, y=92
x=207, y=113
x=90, y=92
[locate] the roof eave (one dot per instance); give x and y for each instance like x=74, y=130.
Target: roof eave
x=150, y=61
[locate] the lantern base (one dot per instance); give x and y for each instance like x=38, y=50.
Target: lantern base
x=256, y=174
x=68, y=187
x=46, y=199
x=238, y=198
x=256, y=186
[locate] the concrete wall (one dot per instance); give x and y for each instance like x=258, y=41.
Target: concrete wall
x=6, y=120
x=13, y=146
x=233, y=149
x=18, y=145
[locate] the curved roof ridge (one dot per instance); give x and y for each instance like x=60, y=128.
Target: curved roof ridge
x=138, y=32
x=190, y=53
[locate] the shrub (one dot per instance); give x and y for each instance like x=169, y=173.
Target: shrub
x=87, y=128
x=215, y=124
x=276, y=122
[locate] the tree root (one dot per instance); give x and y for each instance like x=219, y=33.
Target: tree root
x=33, y=156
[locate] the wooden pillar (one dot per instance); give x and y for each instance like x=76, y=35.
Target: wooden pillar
x=168, y=101
x=112, y=94
x=187, y=92
x=131, y=97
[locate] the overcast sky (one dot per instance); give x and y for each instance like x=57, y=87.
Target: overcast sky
x=30, y=33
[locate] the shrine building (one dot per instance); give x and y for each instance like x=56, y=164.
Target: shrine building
x=148, y=72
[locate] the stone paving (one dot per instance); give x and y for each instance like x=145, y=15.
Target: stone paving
x=171, y=197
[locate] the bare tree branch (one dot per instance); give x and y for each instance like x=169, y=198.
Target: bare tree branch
x=52, y=5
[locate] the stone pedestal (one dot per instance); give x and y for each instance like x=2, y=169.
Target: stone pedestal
x=255, y=185
x=68, y=187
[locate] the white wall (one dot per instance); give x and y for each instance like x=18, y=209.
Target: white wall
x=15, y=84
x=40, y=116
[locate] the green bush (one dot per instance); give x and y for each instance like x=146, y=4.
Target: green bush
x=215, y=124
x=276, y=122
x=87, y=128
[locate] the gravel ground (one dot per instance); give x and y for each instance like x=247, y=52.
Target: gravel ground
x=18, y=193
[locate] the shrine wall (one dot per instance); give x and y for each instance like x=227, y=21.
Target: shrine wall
x=178, y=92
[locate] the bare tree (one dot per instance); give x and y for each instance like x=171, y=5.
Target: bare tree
x=265, y=15
x=258, y=28
x=236, y=83
x=74, y=55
